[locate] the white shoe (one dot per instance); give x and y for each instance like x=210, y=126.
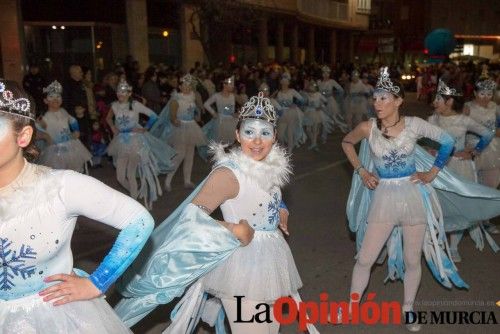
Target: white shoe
x=168, y=187
x=455, y=256
x=413, y=327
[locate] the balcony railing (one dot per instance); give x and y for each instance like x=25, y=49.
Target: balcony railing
x=324, y=9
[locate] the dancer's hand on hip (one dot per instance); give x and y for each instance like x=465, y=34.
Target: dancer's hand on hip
x=369, y=180
x=243, y=232
x=425, y=177
x=71, y=288
x=284, y=221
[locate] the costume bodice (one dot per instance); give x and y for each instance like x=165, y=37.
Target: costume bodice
x=59, y=124
x=286, y=98
x=395, y=157
x=187, y=106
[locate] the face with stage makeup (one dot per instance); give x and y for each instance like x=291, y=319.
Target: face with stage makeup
x=483, y=97
x=123, y=96
x=442, y=104
x=385, y=103
x=256, y=138
x=53, y=102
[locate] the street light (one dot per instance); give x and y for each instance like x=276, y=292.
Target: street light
x=54, y=27
x=63, y=27
x=165, y=33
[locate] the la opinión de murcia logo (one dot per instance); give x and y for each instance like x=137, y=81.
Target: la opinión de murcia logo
x=369, y=313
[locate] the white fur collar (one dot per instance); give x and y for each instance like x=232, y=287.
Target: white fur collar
x=273, y=171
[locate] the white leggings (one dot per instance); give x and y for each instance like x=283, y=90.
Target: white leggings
x=184, y=153
x=375, y=237
x=248, y=310
x=126, y=173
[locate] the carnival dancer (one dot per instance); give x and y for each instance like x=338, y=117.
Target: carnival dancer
x=290, y=123
x=487, y=113
x=178, y=125
x=40, y=291
x=63, y=150
x=328, y=88
x=224, y=119
x=135, y=152
x=392, y=171
x=357, y=103
x=191, y=247
x=448, y=106
x=314, y=116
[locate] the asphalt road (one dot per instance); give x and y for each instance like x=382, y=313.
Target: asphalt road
x=322, y=245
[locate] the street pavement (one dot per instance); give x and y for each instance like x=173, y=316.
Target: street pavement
x=322, y=245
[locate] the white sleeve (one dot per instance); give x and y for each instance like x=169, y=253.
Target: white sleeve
x=83, y=195
x=208, y=104
x=142, y=109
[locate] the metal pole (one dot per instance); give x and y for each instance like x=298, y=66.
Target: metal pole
x=92, y=37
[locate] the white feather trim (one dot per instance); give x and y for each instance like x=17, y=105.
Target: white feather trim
x=273, y=171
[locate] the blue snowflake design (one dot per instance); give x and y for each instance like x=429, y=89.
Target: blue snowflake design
x=274, y=210
x=394, y=161
x=228, y=110
x=122, y=121
x=490, y=124
x=64, y=136
x=14, y=264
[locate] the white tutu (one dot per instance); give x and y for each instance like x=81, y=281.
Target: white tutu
x=188, y=133
x=405, y=201
x=312, y=117
x=263, y=270
x=31, y=315
x=466, y=169
x=68, y=155
x=225, y=129
x=490, y=157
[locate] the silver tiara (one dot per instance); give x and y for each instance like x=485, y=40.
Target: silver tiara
x=443, y=89
x=286, y=76
x=229, y=81
x=384, y=82
x=355, y=73
x=20, y=106
x=188, y=79
x=123, y=87
x=54, y=89
x=259, y=107
x=326, y=69
x=487, y=84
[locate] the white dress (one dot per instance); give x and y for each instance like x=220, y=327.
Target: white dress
x=65, y=152
x=457, y=126
x=357, y=102
x=38, y=212
x=326, y=88
x=264, y=270
x=225, y=123
x=394, y=160
x=189, y=132
x=290, y=116
x=490, y=157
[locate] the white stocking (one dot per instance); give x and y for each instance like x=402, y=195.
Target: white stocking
x=413, y=238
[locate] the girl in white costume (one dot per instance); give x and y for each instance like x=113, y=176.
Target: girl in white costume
x=224, y=118
x=357, y=103
x=264, y=270
x=486, y=112
x=64, y=149
x=40, y=291
x=290, y=130
x=135, y=152
x=327, y=87
x=314, y=116
x=397, y=199
x=448, y=106
x=186, y=133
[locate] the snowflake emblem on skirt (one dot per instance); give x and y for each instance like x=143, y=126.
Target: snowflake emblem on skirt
x=13, y=264
x=394, y=161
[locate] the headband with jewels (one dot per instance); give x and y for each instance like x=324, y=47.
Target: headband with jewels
x=54, y=89
x=229, y=81
x=188, y=79
x=123, y=87
x=384, y=83
x=355, y=74
x=16, y=105
x=443, y=89
x=326, y=69
x=486, y=85
x=259, y=107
